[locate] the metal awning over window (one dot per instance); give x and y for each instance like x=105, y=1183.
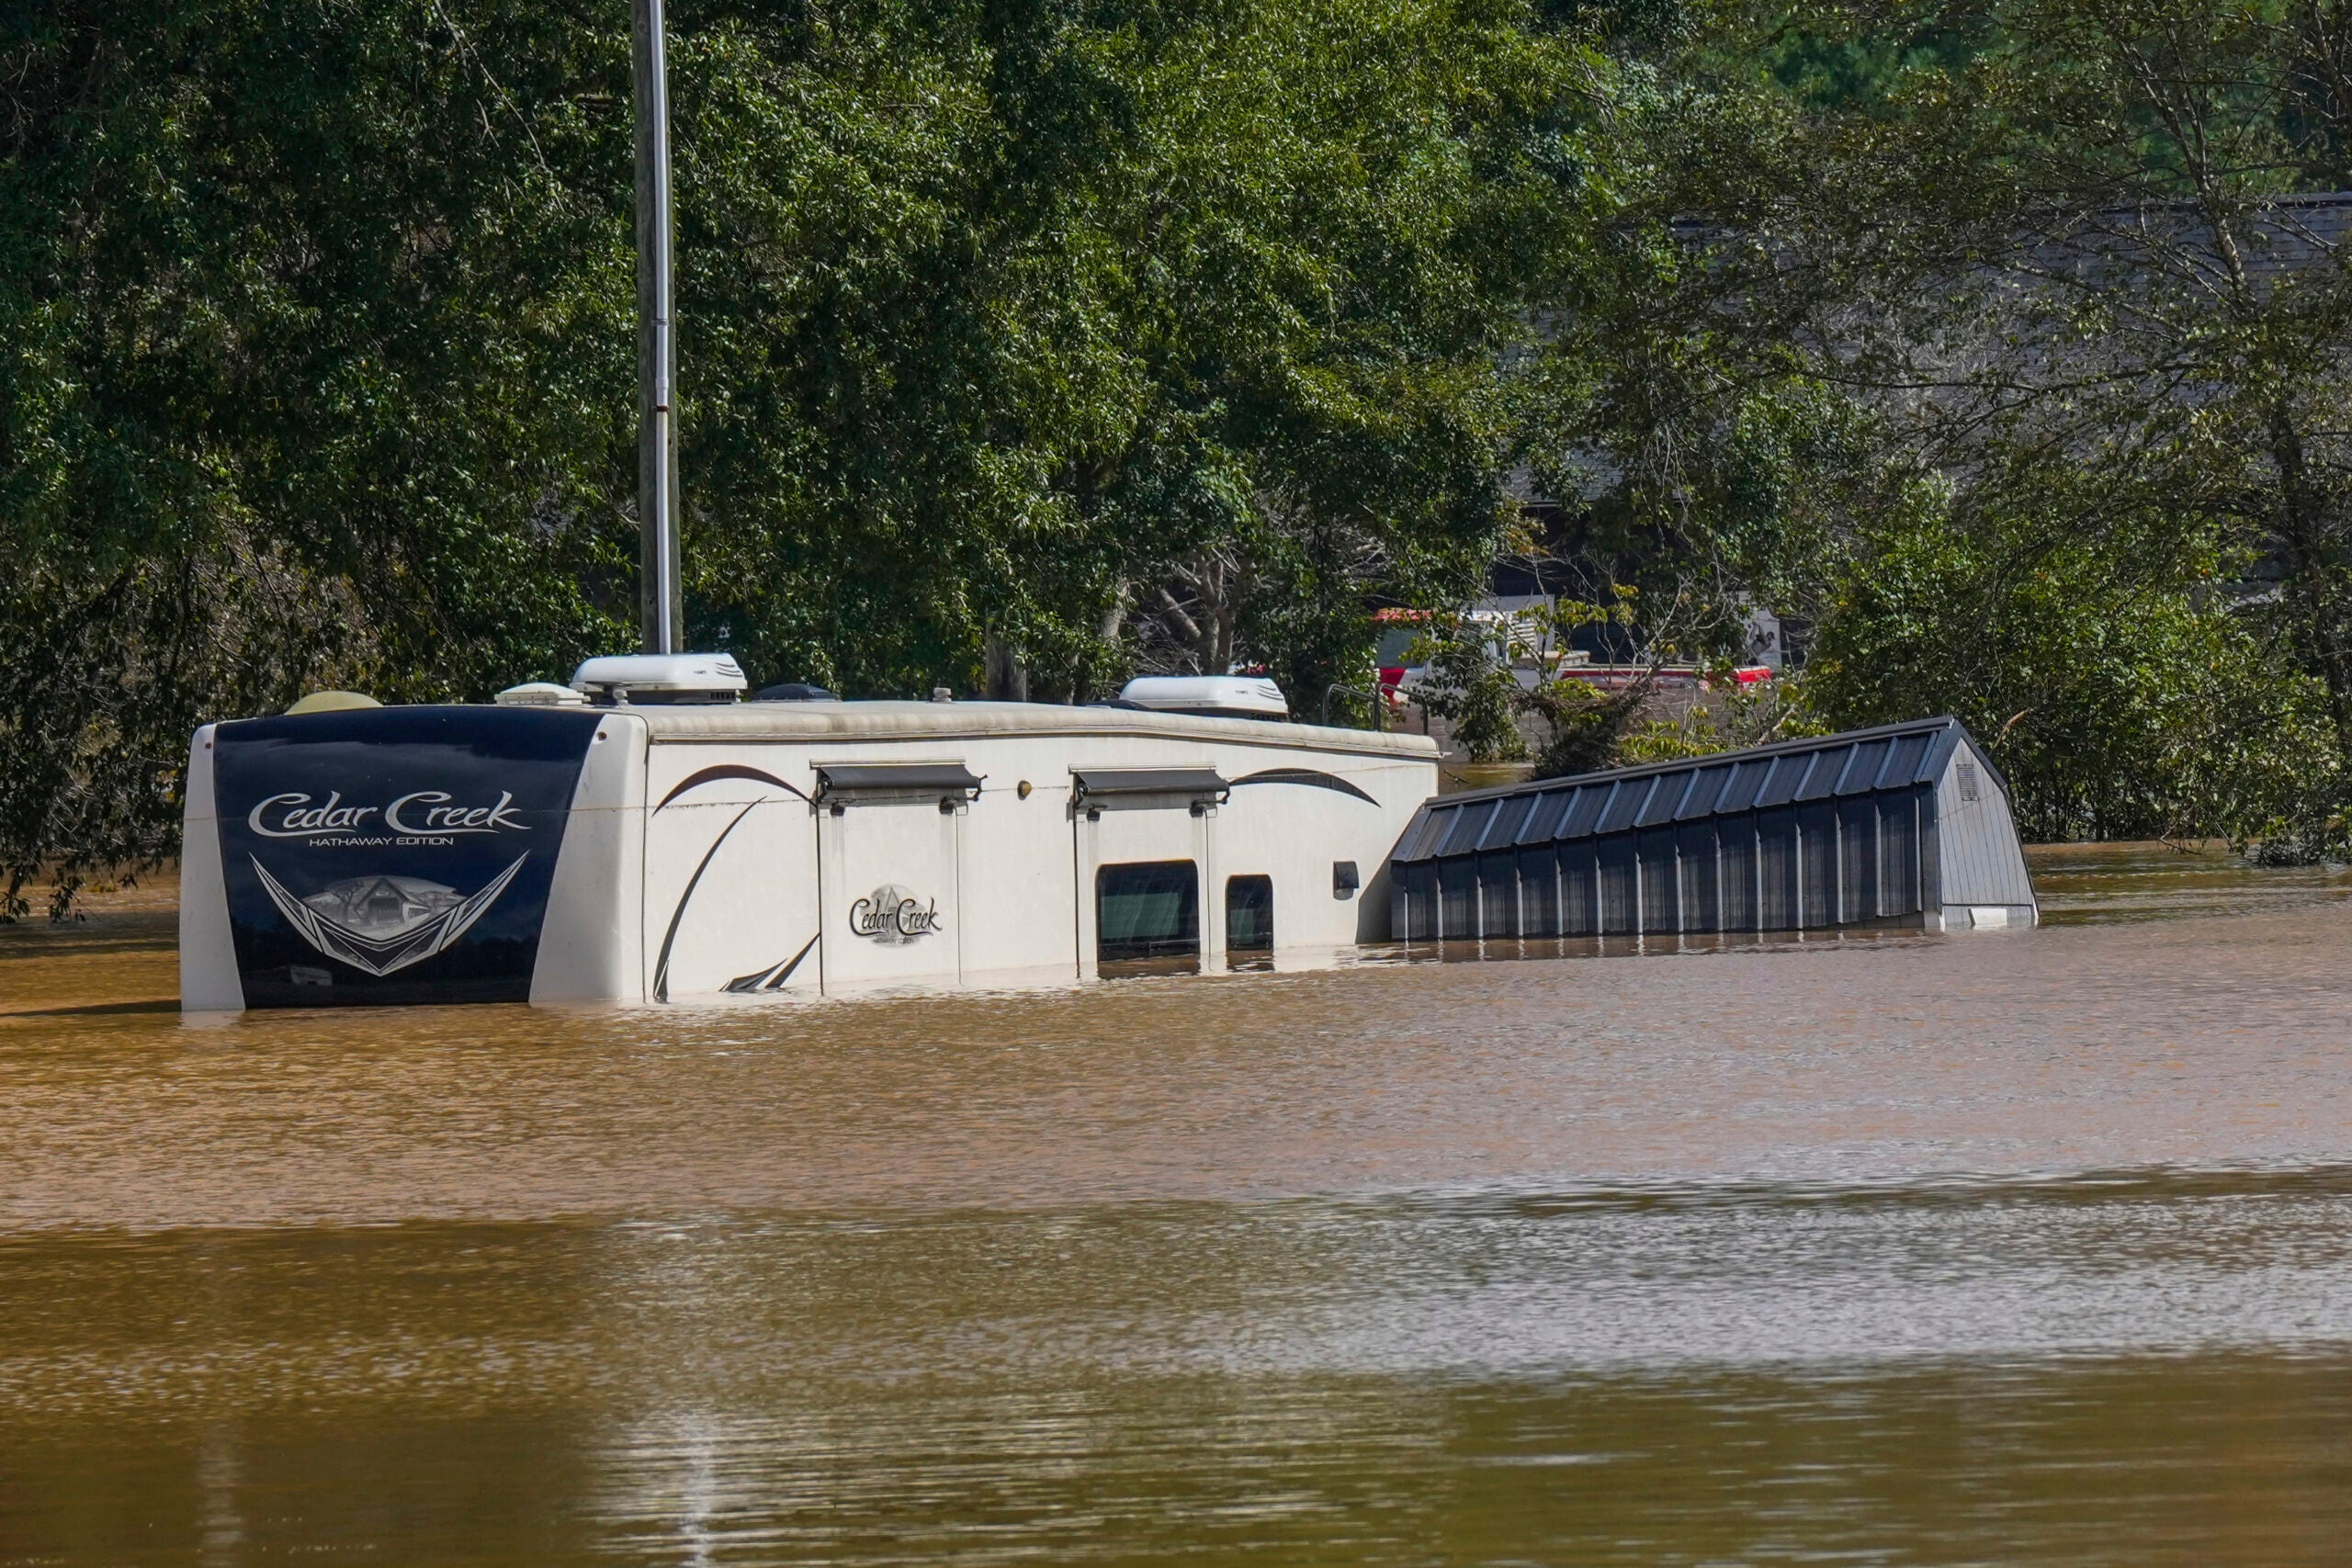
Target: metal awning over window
x=840, y=781
x=1187, y=784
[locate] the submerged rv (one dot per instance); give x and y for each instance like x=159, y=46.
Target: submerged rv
x=643, y=836
x=657, y=851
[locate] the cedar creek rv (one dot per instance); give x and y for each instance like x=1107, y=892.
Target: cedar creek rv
x=666, y=849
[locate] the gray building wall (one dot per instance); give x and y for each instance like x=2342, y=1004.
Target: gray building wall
x=1985, y=879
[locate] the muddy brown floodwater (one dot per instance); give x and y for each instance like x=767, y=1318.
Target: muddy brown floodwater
x=2020, y=1247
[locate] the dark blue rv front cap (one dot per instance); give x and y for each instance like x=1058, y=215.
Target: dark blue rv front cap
x=396, y=856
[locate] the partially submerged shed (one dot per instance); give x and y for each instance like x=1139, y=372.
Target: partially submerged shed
x=1906, y=824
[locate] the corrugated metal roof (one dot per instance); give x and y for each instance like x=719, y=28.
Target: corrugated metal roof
x=1858, y=761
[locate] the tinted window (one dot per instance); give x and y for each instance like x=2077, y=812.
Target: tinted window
x=1147, y=910
x=1249, y=914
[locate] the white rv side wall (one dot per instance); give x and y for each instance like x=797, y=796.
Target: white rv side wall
x=1011, y=875
x=209, y=981
x=1984, y=865
x=589, y=946
x=730, y=871
x=876, y=845
x=1297, y=834
x=1018, y=891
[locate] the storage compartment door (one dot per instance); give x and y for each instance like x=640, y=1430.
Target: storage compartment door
x=892, y=885
x=1130, y=857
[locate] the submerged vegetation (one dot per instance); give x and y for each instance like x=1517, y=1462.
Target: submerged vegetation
x=1028, y=344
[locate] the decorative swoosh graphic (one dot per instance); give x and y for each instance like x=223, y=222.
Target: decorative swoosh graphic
x=420, y=922
x=1312, y=777
x=726, y=771
x=670, y=937
x=773, y=976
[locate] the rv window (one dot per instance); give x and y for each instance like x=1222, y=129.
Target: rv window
x=1249, y=914
x=1147, y=910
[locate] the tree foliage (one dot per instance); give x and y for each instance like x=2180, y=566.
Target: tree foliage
x=316, y=333
x=1112, y=333
x=2132, y=365
x=1059, y=328
x=2004, y=343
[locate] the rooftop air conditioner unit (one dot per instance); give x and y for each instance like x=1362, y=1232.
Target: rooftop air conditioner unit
x=644, y=678
x=1224, y=697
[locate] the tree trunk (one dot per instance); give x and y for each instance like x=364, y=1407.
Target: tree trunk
x=1006, y=677
x=2318, y=585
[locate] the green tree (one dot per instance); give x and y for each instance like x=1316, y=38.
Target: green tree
x=2136, y=353
x=317, y=369
x=2004, y=335
x=2109, y=673
x=1095, y=335
x=1116, y=335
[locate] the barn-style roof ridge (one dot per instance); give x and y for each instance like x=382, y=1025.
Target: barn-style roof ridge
x=1652, y=795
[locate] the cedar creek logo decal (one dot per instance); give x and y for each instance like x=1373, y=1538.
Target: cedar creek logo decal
x=380, y=922
x=892, y=916
x=422, y=814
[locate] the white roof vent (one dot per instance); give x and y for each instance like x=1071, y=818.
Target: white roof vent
x=642, y=678
x=1228, y=696
x=540, y=694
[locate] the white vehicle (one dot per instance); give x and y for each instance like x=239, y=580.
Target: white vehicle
x=664, y=848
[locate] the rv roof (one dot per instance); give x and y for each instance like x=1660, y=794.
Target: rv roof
x=891, y=720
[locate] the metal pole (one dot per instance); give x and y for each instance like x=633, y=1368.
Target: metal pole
x=661, y=605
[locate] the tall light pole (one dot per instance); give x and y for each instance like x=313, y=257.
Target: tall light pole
x=661, y=605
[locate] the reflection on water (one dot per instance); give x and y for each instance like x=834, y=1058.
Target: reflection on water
x=2023, y=1248
x=2080, y=883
